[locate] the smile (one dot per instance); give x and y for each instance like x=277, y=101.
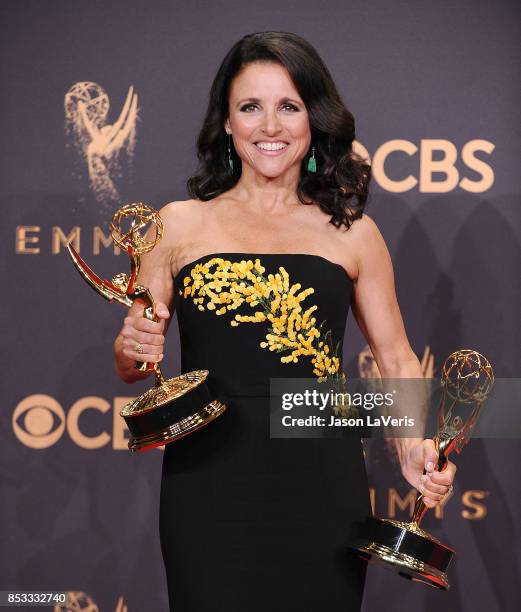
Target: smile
x=271, y=148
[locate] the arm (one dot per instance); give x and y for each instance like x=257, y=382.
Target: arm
x=376, y=311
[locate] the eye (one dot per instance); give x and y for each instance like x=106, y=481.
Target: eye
x=286, y=105
x=243, y=108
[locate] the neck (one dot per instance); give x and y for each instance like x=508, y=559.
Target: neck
x=267, y=195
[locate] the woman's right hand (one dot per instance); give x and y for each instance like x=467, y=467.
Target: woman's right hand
x=155, y=273
x=138, y=330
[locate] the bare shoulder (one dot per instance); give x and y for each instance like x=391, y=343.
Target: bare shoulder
x=364, y=229
x=367, y=244
x=181, y=210
x=180, y=217
x=365, y=234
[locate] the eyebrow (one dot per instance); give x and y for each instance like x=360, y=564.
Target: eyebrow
x=257, y=101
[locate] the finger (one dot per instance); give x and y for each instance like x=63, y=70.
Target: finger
x=430, y=502
x=425, y=357
x=142, y=337
x=145, y=325
x=162, y=310
x=432, y=496
x=149, y=357
x=448, y=495
x=131, y=344
x=446, y=477
x=430, y=456
x=433, y=490
x=132, y=336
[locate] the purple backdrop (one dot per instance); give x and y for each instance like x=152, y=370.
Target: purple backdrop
x=434, y=88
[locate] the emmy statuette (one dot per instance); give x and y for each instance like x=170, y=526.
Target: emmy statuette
x=174, y=407
x=404, y=547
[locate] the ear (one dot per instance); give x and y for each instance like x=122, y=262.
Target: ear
x=227, y=126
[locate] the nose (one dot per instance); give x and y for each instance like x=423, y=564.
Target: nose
x=271, y=123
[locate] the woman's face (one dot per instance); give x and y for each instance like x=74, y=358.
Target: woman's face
x=265, y=108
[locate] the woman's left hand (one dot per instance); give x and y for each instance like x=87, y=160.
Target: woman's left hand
x=433, y=485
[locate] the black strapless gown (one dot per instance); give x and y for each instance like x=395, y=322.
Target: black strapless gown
x=249, y=523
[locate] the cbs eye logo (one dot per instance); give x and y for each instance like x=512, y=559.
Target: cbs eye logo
x=39, y=421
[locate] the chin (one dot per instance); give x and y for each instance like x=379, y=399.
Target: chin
x=273, y=174
x=272, y=171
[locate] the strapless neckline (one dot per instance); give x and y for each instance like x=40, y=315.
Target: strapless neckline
x=328, y=262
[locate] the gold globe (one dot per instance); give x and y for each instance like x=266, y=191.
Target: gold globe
x=467, y=376
x=132, y=223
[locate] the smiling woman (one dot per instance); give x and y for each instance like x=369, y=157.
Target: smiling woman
x=277, y=81
x=249, y=522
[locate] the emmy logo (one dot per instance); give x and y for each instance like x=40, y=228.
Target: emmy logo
x=78, y=601
x=98, y=142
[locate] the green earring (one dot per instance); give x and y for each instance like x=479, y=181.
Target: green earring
x=230, y=160
x=312, y=162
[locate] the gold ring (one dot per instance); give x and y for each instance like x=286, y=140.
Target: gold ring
x=138, y=348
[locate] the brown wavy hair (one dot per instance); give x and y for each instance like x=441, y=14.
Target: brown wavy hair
x=341, y=183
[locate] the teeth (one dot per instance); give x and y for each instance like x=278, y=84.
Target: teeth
x=271, y=146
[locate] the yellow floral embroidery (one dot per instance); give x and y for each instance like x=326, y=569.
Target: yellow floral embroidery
x=227, y=285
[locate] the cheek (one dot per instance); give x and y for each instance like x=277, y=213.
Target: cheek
x=302, y=132
x=244, y=125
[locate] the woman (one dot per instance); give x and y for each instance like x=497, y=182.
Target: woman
x=247, y=522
